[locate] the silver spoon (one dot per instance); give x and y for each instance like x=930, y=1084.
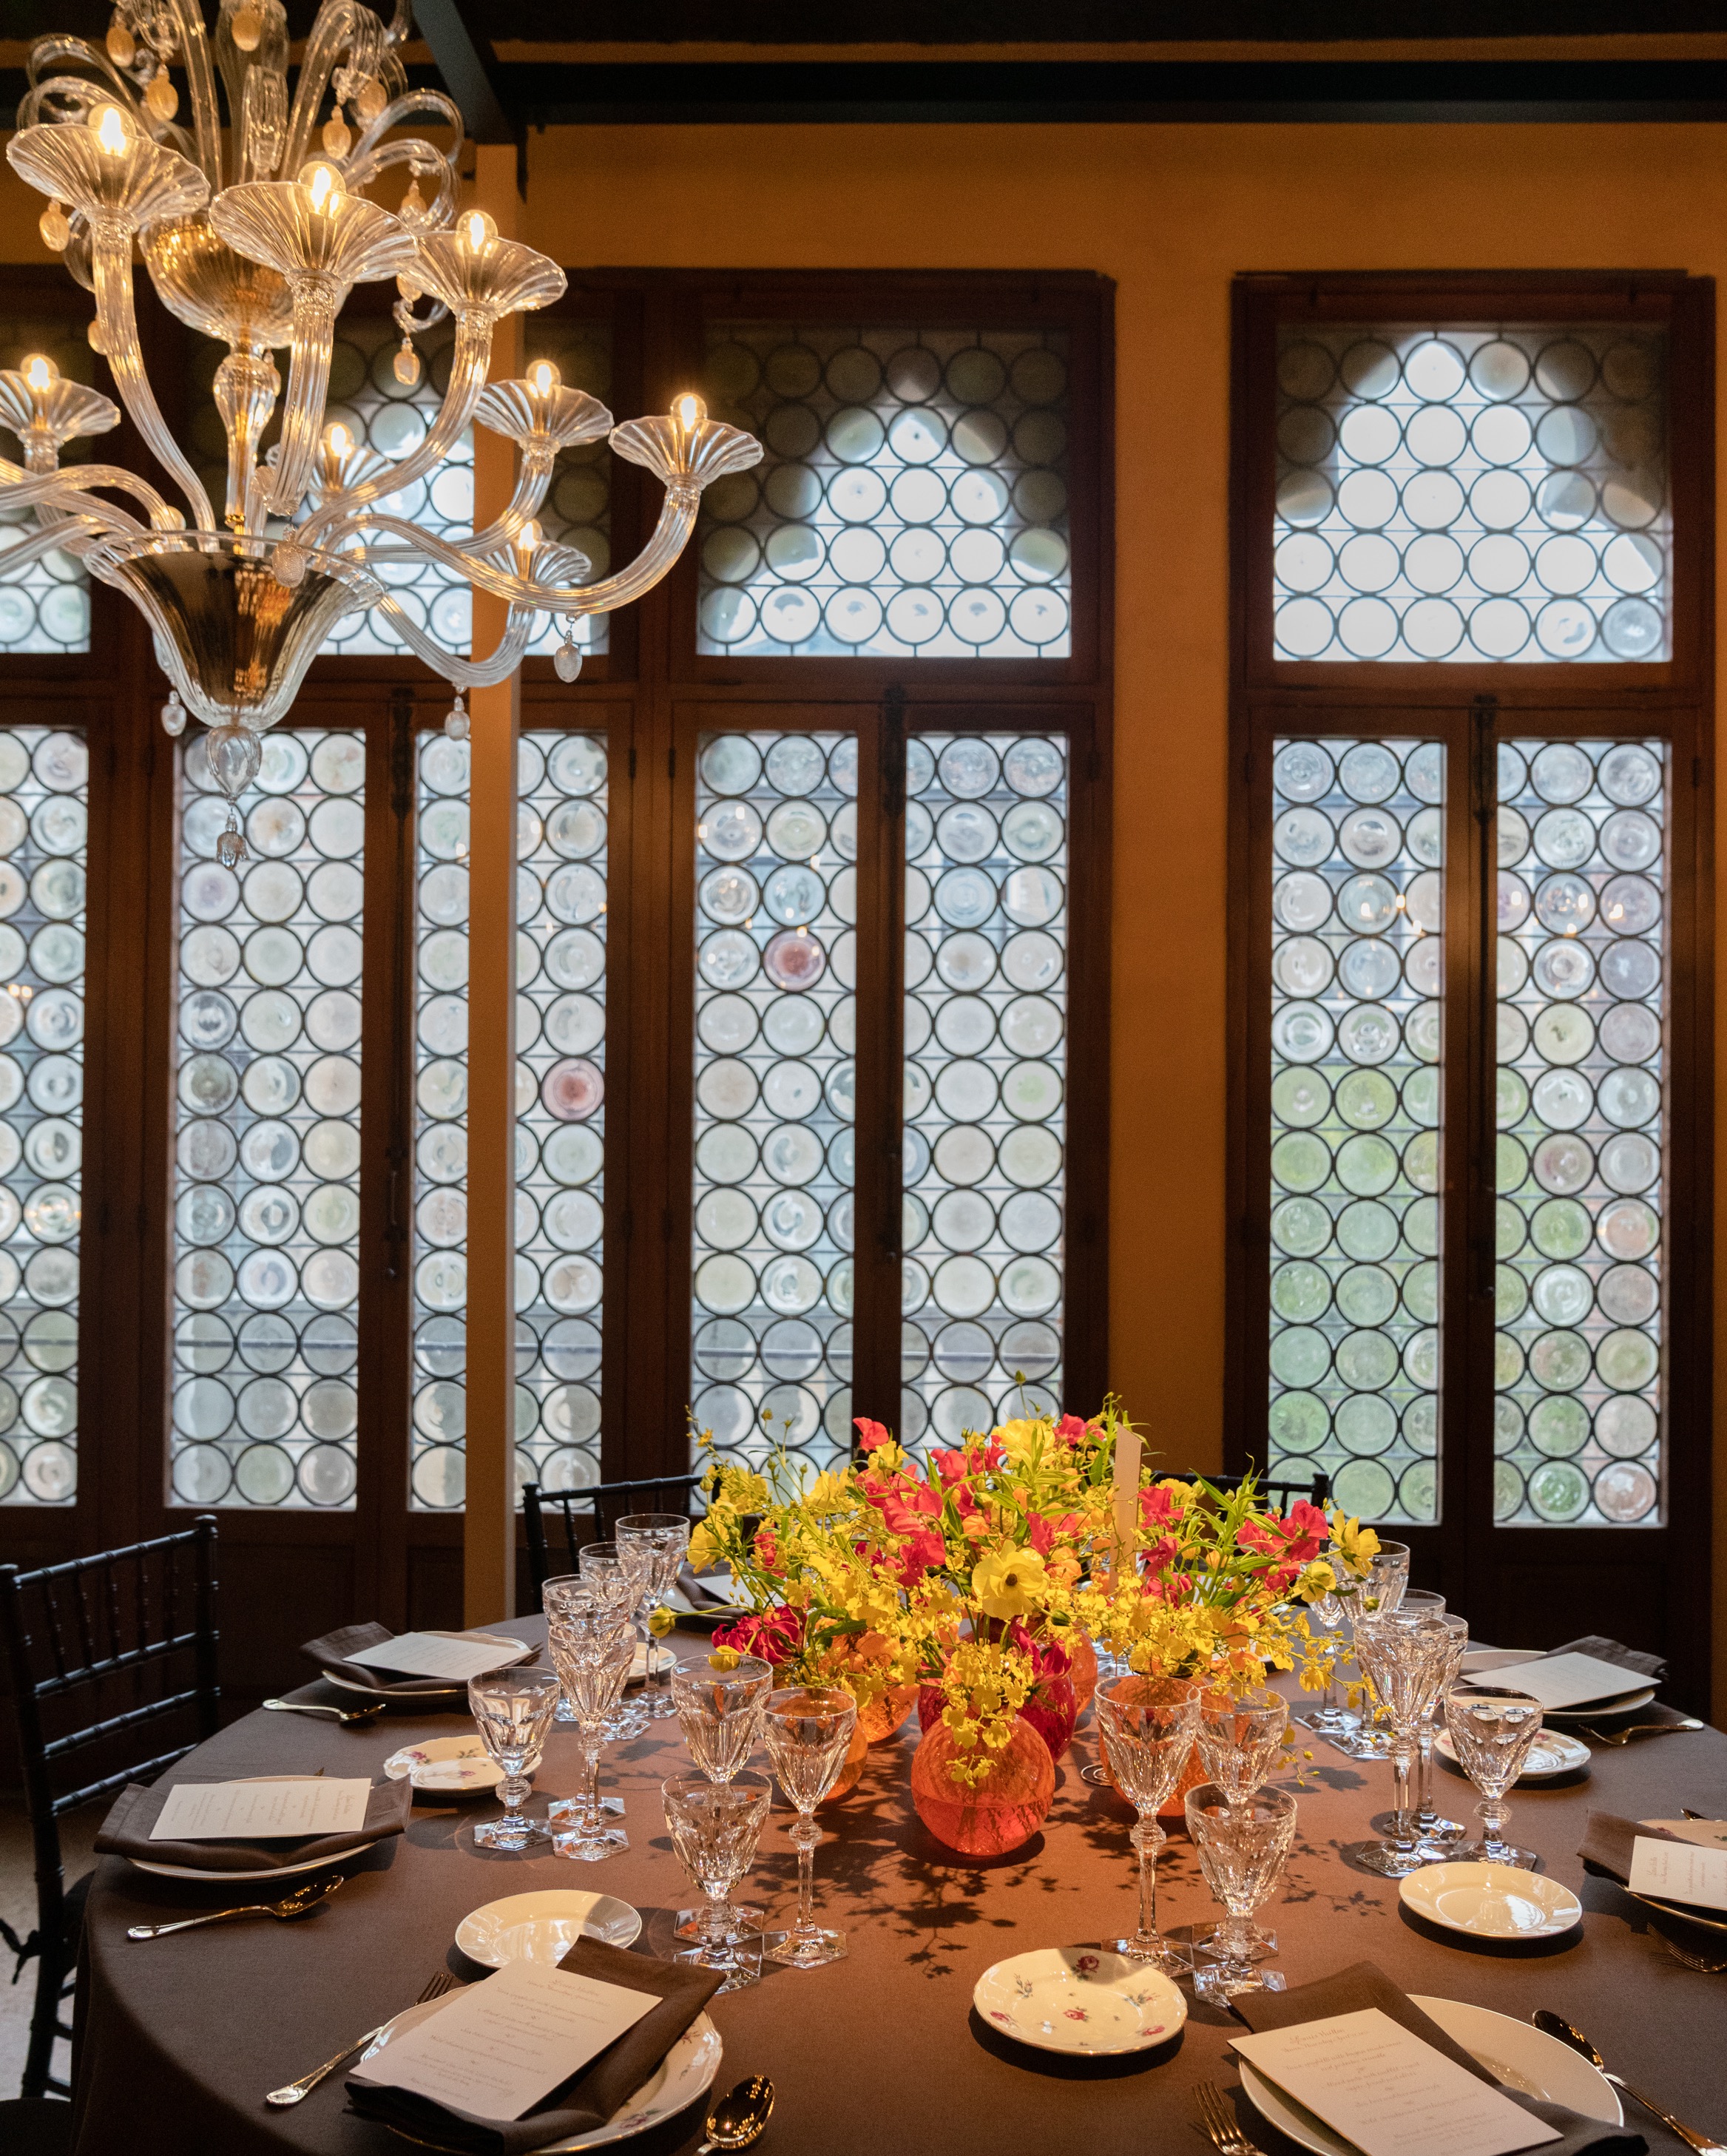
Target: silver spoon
x=1555, y=2024
x=739, y=2116
x=300, y=1903
x=335, y=1713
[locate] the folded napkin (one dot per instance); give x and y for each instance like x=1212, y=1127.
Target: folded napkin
x=1652, y=1666
x=587, y=2099
x=126, y=1832
x=1606, y=1849
x=331, y=1650
x=1352, y=1990
x=701, y=1596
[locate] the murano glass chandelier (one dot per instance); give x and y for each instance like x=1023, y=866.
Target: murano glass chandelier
x=254, y=238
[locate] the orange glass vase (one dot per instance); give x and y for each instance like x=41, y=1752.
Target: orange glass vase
x=856, y=1753
x=1003, y=1811
x=1083, y=1674
x=886, y=1712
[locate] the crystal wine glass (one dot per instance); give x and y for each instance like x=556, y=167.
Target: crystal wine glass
x=1438, y=1834
x=513, y=1710
x=1330, y=1717
x=720, y=1713
x=1148, y=1726
x=592, y=1649
x=1241, y=1848
x=1240, y=1739
x=1381, y=1588
x=808, y=1731
x=618, y=1575
x=1406, y=1656
x=1491, y=1729
x=715, y=1828
x=660, y=1541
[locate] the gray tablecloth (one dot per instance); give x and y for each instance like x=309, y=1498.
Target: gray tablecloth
x=881, y=2052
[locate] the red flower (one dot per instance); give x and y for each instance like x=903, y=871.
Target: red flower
x=951, y=1467
x=1159, y=1507
x=1070, y=1429
x=767, y=1548
x=926, y=1552
x=870, y=1434
x=775, y=1635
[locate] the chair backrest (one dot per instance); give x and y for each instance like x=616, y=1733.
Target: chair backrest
x=597, y=1509
x=1278, y=1494
x=136, y=1624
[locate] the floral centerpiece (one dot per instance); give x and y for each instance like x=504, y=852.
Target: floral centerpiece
x=982, y=1574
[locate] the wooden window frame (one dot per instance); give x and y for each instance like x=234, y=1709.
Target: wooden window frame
x=1515, y=1583
x=286, y=1572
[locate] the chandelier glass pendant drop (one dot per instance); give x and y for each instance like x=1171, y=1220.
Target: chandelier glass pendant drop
x=255, y=238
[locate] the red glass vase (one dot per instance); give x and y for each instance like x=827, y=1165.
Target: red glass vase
x=1003, y=1811
x=887, y=1712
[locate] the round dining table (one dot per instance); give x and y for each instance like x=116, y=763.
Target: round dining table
x=882, y=2053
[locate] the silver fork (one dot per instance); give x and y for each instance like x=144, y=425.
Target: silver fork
x=1684, y=1954
x=1219, y=2123
x=297, y=2092
x=1642, y=1729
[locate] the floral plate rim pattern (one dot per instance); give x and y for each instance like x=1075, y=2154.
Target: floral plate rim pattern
x=1133, y=2006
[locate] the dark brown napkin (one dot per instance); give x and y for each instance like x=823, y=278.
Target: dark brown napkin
x=701, y=1597
x=1606, y=1848
x=331, y=1650
x=1352, y=1990
x=126, y=1832
x=587, y=2099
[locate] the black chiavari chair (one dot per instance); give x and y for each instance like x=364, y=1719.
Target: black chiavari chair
x=597, y=1509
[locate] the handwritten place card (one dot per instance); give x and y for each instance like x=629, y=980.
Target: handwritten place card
x=1381, y=2087
x=431, y=1655
x=1561, y=1680
x=500, y=2047
x=261, y=1811
x=1676, y=1872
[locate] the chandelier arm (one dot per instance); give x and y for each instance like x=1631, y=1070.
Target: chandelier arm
x=48, y=488
x=467, y=380
x=332, y=31
x=53, y=51
x=111, y=265
x=532, y=480
x=677, y=519
x=466, y=673
x=201, y=80
x=51, y=536
x=317, y=300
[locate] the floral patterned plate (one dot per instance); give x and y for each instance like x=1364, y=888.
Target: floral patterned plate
x=686, y=2073
x=1083, y=2001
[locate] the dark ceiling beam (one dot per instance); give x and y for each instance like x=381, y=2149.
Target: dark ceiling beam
x=576, y=93
x=468, y=68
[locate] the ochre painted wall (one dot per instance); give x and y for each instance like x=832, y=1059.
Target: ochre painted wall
x=1170, y=214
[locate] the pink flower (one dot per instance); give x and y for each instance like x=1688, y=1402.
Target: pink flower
x=775, y=1635
x=870, y=1434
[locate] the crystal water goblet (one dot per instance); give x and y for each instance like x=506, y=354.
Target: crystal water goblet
x=593, y=1648
x=1330, y=1717
x=1438, y=1833
x=808, y=1731
x=1429, y=1826
x=715, y=1828
x=618, y=1576
x=1148, y=1725
x=1240, y=1739
x=513, y=1710
x=1382, y=1587
x=1406, y=1656
x=720, y=1713
x=1241, y=1849
x=660, y=1543
x=1491, y=1729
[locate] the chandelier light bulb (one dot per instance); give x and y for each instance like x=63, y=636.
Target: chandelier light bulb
x=324, y=183
x=40, y=374
x=543, y=377
x=527, y=540
x=478, y=231
x=246, y=29
x=689, y=411
x=108, y=124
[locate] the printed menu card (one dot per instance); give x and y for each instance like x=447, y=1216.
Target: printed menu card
x=1562, y=1681
x=1679, y=1871
x=499, y=2047
x=262, y=1811
x=429, y=1655
x=1381, y=2087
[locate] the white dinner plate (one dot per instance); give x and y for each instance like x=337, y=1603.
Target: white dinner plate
x=1553, y=1753
x=1518, y=2056
x=1083, y=2001
x=1491, y=1900
x=685, y=2073
x=516, y=1647
x=544, y=1927
x=272, y=1871
x=446, y=1767
x=1600, y=1709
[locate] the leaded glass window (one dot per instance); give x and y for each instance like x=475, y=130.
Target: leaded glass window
x=45, y=605
x=1447, y=494
x=913, y=499
x=1581, y=1169
x=560, y=1126
x=44, y=834
x=1357, y=977
x=985, y=1043
x=776, y=1037
x=267, y=1131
